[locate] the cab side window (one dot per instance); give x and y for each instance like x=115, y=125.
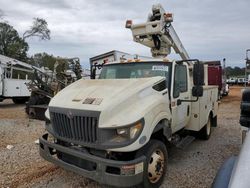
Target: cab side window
x=180, y=80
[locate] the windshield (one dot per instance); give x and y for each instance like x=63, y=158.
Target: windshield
x=135, y=70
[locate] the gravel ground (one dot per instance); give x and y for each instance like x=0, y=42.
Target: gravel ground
x=195, y=166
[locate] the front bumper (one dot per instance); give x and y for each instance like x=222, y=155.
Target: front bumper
x=100, y=173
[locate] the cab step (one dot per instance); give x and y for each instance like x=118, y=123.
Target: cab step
x=185, y=142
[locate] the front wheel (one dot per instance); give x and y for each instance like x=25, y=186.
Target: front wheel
x=156, y=163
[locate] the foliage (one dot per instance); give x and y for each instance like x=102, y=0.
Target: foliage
x=49, y=61
x=58, y=65
x=43, y=60
x=236, y=71
x=38, y=29
x=11, y=44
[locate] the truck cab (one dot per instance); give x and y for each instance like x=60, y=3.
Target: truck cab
x=116, y=129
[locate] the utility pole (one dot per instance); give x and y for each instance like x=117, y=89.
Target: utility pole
x=247, y=69
x=224, y=69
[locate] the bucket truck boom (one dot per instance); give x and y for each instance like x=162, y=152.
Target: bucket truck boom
x=158, y=34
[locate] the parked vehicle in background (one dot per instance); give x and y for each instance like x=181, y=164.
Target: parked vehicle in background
x=14, y=75
x=98, y=61
x=245, y=81
x=86, y=73
x=216, y=77
x=247, y=69
x=241, y=81
x=232, y=81
x=235, y=171
x=46, y=83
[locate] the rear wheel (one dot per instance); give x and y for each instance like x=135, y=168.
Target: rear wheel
x=20, y=100
x=156, y=163
x=205, y=132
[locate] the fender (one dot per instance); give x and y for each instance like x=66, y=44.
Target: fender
x=157, y=125
x=165, y=125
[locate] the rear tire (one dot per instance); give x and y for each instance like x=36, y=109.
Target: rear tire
x=156, y=163
x=205, y=132
x=20, y=100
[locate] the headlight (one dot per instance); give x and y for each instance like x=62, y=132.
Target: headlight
x=47, y=115
x=130, y=132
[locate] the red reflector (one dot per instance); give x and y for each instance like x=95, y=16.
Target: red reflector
x=168, y=17
x=128, y=23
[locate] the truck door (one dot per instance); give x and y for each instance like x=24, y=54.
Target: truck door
x=180, y=90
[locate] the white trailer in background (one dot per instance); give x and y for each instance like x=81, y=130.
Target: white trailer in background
x=112, y=56
x=13, y=79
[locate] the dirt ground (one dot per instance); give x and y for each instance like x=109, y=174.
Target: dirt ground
x=195, y=166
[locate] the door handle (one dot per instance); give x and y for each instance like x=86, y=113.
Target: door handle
x=165, y=92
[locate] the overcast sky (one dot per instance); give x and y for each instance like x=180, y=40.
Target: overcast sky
x=209, y=29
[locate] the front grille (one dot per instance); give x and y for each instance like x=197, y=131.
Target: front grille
x=78, y=128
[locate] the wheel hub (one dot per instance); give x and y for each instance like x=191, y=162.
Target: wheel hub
x=156, y=166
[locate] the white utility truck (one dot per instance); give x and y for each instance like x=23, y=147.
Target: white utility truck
x=13, y=78
x=116, y=129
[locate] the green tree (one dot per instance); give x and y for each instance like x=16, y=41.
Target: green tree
x=49, y=61
x=235, y=72
x=238, y=71
x=38, y=29
x=44, y=60
x=11, y=44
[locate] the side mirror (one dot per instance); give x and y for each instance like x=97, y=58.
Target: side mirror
x=197, y=91
x=198, y=79
x=93, y=72
x=198, y=74
x=245, y=109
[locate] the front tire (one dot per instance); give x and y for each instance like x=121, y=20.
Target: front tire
x=156, y=163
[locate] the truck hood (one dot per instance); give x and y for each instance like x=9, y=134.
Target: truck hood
x=114, y=98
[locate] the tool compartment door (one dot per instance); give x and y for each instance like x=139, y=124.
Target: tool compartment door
x=15, y=88
x=201, y=109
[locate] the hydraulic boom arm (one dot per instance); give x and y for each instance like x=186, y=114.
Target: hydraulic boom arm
x=158, y=34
